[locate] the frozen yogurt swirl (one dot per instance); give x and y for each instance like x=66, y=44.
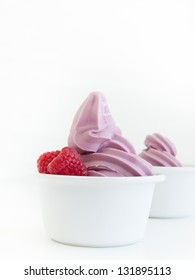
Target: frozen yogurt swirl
x=99, y=142
x=94, y=128
x=160, y=151
x=113, y=162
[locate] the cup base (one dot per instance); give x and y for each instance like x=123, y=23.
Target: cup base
x=90, y=245
x=170, y=217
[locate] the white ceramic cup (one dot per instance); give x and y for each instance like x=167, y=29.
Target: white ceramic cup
x=175, y=197
x=96, y=211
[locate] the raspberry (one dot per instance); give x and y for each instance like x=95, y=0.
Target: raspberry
x=44, y=160
x=68, y=162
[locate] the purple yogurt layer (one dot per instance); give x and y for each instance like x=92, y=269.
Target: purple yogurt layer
x=160, y=151
x=94, y=128
x=113, y=162
x=100, y=143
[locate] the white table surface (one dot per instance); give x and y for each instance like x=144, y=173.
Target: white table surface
x=22, y=233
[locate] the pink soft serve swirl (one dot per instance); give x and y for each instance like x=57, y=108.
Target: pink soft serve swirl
x=160, y=151
x=93, y=127
x=100, y=143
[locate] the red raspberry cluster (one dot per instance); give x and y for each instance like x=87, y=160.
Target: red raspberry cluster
x=64, y=162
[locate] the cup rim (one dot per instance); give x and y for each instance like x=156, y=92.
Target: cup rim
x=131, y=179
x=173, y=169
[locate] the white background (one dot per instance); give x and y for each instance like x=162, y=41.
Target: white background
x=140, y=54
